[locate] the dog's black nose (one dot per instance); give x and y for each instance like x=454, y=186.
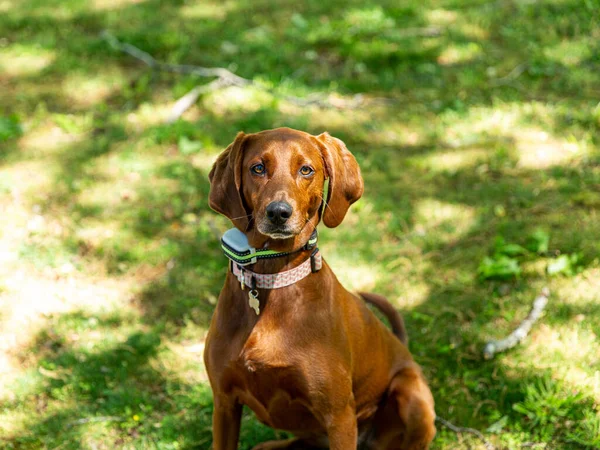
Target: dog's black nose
x=279, y=212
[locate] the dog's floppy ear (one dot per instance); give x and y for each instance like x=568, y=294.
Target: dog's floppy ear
x=225, y=184
x=345, y=181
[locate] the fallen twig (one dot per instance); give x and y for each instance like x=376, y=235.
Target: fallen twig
x=185, y=102
x=96, y=419
x=224, y=78
x=479, y=434
x=493, y=347
x=534, y=445
x=49, y=373
x=150, y=61
x=513, y=75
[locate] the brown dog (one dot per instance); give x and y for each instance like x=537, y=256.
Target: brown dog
x=311, y=358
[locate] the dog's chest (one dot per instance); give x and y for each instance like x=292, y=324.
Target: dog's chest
x=277, y=398
x=275, y=384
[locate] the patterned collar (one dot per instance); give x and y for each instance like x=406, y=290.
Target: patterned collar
x=277, y=280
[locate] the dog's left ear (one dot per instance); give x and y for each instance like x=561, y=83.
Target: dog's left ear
x=225, y=177
x=345, y=181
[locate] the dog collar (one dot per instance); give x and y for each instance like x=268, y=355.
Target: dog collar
x=235, y=246
x=274, y=280
x=277, y=280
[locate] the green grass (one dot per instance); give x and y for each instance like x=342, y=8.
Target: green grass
x=109, y=267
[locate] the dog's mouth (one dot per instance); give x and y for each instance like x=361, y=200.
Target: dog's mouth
x=280, y=235
x=278, y=232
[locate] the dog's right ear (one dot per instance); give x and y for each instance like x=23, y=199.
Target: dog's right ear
x=225, y=184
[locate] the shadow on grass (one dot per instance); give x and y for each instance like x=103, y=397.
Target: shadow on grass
x=114, y=388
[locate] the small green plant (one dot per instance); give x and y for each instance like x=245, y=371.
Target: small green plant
x=10, y=128
x=538, y=242
x=508, y=249
x=587, y=432
x=565, y=265
x=547, y=407
x=504, y=263
x=499, y=267
x=188, y=146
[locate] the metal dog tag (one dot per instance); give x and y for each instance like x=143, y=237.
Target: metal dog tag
x=253, y=301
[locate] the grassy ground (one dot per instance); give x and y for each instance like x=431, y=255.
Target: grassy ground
x=109, y=269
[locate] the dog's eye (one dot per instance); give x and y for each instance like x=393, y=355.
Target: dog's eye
x=306, y=170
x=258, y=169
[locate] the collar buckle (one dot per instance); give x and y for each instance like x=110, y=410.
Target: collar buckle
x=254, y=258
x=312, y=241
x=315, y=265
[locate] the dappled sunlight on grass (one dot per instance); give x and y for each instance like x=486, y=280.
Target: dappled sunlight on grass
x=240, y=100
x=355, y=277
x=204, y=161
x=26, y=178
x=536, y=149
x=396, y=133
x=500, y=120
x=206, y=10
x=85, y=90
x=333, y=120
x=473, y=30
x=5, y=5
x=121, y=176
x=550, y=345
x=19, y=60
x=459, y=54
x=451, y=160
x=55, y=9
x=570, y=53
x=116, y=360
x=146, y=115
x=29, y=297
x=581, y=290
x=412, y=293
x=183, y=360
x=446, y=220
x=515, y=126
x=441, y=16
x=580, y=380
x=368, y=18
x=14, y=423
x=104, y=5
x=46, y=138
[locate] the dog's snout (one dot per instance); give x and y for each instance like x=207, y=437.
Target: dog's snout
x=279, y=212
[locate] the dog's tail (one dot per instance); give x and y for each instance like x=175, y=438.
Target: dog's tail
x=396, y=321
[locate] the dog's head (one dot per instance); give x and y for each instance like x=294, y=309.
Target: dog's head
x=270, y=184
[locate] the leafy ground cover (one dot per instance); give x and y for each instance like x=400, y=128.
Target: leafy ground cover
x=482, y=186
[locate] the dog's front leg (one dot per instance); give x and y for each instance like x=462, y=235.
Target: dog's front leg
x=227, y=417
x=342, y=430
